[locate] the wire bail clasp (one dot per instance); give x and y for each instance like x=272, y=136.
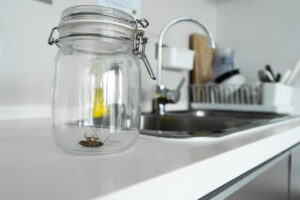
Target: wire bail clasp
x=51, y=39
x=139, y=45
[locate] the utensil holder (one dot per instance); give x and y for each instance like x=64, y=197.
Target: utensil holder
x=277, y=94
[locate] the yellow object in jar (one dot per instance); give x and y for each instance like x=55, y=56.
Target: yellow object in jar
x=100, y=107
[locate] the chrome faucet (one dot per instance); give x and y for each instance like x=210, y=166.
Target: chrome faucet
x=162, y=94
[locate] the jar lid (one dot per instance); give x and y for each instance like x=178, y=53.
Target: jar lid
x=96, y=10
x=97, y=21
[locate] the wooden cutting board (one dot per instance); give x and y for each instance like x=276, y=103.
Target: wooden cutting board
x=203, y=62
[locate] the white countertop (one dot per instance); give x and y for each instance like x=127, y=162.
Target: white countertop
x=32, y=167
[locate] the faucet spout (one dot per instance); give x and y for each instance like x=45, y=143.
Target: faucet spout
x=162, y=94
x=163, y=32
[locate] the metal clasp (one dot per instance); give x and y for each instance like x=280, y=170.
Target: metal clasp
x=143, y=22
x=139, y=45
x=51, y=39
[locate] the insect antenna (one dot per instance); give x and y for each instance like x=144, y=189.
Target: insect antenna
x=94, y=131
x=106, y=138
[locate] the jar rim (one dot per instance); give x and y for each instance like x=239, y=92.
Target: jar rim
x=97, y=10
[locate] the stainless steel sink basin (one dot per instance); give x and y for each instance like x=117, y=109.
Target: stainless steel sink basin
x=185, y=124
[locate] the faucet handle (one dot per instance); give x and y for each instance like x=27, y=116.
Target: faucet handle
x=173, y=96
x=180, y=84
x=163, y=96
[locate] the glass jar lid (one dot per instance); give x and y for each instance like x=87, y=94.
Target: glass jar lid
x=97, y=21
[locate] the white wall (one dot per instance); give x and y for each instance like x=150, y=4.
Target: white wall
x=262, y=32
x=26, y=60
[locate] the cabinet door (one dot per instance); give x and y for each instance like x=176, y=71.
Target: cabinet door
x=295, y=174
x=273, y=184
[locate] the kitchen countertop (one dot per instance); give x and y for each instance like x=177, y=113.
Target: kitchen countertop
x=32, y=167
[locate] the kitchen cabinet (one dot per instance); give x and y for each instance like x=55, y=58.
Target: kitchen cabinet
x=276, y=179
x=273, y=184
x=268, y=181
x=295, y=174
x=282, y=181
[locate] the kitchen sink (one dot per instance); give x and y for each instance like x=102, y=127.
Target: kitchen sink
x=186, y=124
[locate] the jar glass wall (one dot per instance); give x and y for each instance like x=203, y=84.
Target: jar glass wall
x=96, y=95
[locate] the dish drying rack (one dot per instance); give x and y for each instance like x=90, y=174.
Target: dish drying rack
x=246, y=97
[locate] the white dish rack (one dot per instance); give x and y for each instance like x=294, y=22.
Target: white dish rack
x=247, y=97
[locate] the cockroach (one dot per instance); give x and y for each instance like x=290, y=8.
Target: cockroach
x=92, y=141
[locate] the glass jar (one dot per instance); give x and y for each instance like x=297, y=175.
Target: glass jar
x=96, y=89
